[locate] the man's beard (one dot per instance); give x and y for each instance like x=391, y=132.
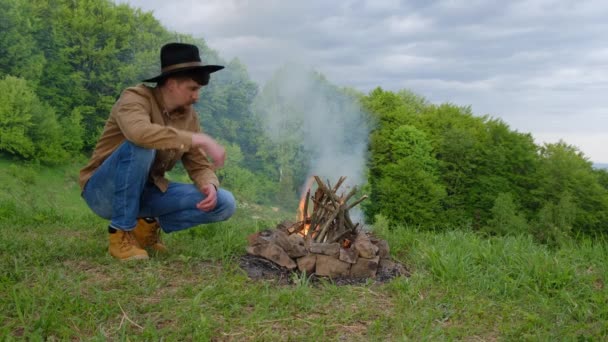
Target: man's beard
x=184, y=108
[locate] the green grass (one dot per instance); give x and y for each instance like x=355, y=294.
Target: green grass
x=57, y=282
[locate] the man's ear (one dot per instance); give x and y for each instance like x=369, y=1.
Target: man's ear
x=170, y=84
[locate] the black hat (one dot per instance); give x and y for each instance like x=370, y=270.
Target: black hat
x=175, y=57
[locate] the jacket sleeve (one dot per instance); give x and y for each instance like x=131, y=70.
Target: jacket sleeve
x=132, y=114
x=199, y=168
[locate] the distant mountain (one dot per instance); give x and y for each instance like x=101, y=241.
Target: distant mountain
x=600, y=166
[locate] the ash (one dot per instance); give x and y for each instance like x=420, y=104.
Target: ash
x=258, y=268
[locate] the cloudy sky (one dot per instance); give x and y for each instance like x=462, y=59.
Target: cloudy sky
x=540, y=65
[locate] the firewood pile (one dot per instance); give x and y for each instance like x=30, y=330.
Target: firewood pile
x=325, y=242
x=330, y=221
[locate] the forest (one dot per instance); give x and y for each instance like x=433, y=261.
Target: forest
x=63, y=63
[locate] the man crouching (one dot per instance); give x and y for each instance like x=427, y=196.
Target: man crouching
x=148, y=131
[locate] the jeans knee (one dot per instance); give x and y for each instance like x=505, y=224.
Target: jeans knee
x=142, y=155
x=226, y=204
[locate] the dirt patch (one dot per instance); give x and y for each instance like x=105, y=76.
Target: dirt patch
x=96, y=274
x=262, y=269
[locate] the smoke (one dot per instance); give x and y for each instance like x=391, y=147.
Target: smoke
x=299, y=105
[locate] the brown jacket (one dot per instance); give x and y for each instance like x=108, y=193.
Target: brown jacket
x=140, y=117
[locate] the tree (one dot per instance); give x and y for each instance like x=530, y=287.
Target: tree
x=28, y=127
x=93, y=49
x=406, y=186
x=19, y=54
x=73, y=132
x=47, y=135
x=506, y=217
x=17, y=101
x=555, y=220
x=244, y=182
x=564, y=169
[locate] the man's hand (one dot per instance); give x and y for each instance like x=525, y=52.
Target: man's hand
x=211, y=148
x=210, y=200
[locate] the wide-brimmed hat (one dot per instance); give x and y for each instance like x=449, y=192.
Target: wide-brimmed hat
x=176, y=57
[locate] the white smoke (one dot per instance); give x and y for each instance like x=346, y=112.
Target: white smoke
x=330, y=125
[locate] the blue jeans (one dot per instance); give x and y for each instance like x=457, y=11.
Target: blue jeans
x=120, y=192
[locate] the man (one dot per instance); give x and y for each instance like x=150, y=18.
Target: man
x=148, y=131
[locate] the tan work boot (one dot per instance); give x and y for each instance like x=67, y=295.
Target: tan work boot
x=123, y=246
x=147, y=234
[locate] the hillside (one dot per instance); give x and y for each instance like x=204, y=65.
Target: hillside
x=59, y=283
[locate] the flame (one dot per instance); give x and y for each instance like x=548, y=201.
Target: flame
x=305, y=230
x=301, y=215
x=303, y=209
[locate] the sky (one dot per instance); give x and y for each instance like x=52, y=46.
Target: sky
x=539, y=65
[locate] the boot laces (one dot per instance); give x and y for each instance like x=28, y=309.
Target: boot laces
x=154, y=237
x=128, y=240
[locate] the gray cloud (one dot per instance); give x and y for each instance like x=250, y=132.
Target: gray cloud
x=540, y=65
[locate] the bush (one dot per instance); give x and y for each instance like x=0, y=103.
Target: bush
x=24, y=174
x=28, y=127
x=505, y=217
x=555, y=221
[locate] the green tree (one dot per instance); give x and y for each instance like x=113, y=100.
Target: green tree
x=19, y=54
x=555, y=220
x=47, y=135
x=406, y=186
x=506, y=217
x=17, y=102
x=478, y=158
x=458, y=139
x=564, y=169
x=243, y=181
x=28, y=127
x=93, y=49
x=73, y=132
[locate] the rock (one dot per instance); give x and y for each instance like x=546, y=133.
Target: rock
x=307, y=263
x=285, y=225
x=294, y=251
x=365, y=247
x=365, y=268
x=296, y=239
x=389, y=267
x=273, y=253
x=254, y=239
x=280, y=238
x=383, y=249
x=297, y=251
x=331, y=267
x=261, y=237
x=349, y=255
x=329, y=249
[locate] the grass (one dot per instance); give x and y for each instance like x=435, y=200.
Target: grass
x=57, y=282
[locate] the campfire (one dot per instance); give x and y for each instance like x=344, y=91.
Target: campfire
x=324, y=240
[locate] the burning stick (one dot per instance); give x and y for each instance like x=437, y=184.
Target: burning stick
x=324, y=228
x=305, y=211
x=332, y=196
x=330, y=220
